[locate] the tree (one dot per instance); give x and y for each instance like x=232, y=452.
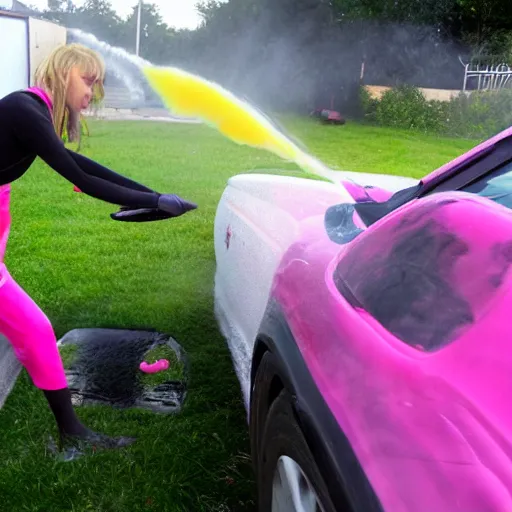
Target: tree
x=156, y=42
x=57, y=5
x=98, y=17
x=486, y=24
x=297, y=54
x=94, y=16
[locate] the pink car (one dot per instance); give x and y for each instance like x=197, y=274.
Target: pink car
x=368, y=328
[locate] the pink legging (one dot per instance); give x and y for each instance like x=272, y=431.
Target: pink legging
x=23, y=323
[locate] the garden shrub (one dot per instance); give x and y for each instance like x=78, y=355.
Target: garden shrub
x=476, y=115
x=406, y=107
x=480, y=114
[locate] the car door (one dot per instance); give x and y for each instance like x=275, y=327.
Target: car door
x=422, y=298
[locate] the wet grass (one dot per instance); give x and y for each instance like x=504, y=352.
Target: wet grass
x=68, y=354
x=86, y=270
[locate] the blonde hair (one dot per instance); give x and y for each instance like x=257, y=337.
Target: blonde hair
x=52, y=75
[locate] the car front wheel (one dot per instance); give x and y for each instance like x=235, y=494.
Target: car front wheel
x=288, y=477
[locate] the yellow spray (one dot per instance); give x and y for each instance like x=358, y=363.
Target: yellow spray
x=192, y=96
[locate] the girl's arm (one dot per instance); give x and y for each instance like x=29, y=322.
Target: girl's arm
x=95, y=169
x=33, y=127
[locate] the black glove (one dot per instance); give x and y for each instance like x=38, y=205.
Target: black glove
x=168, y=206
x=175, y=205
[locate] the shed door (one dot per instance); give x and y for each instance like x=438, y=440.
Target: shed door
x=14, y=59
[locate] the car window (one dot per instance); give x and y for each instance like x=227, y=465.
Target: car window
x=429, y=273
x=496, y=186
x=400, y=273
x=488, y=174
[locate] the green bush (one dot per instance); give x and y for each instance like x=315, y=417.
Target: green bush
x=368, y=104
x=476, y=115
x=480, y=114
x=406, y=107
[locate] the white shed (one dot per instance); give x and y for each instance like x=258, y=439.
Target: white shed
x=25, y=41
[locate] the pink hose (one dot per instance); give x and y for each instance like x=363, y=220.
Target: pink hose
x=156, y=367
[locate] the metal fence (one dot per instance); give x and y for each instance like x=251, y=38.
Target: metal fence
x=481, y=76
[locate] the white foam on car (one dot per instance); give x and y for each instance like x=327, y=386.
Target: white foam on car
x=263, y=213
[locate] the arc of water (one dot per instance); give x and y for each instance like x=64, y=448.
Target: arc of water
x=192, y=96
x=118, y=62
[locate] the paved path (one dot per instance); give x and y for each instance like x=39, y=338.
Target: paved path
x=9, y=369
x=139, y=114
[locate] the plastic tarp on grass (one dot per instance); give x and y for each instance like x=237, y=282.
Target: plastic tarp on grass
x=102, y=367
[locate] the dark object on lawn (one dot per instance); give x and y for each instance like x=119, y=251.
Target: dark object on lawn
x=69, y=449
x=328, y=116
x=140, y=215
x=169, y=205
x=105, y=370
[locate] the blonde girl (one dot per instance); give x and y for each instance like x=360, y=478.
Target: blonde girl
x=32, y=122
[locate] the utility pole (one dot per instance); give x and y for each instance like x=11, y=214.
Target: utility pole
x=137, y=43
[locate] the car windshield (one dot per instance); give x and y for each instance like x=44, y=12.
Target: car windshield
x=496, y=185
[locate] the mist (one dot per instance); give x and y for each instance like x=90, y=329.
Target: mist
x=306, y=61
x=294, y=55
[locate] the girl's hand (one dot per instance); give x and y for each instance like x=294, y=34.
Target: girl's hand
x=175, y=205
x=169, y=206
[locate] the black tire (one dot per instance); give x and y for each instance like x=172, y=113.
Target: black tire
x=283, y=436
x=260, y=402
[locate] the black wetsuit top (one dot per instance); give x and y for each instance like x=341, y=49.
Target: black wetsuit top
x=26, y=132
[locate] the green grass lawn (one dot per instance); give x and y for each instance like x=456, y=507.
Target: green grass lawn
x=86, y=270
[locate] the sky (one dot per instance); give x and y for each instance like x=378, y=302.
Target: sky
x=176, y=13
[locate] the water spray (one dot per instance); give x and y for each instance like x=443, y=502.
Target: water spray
x=191, y=96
